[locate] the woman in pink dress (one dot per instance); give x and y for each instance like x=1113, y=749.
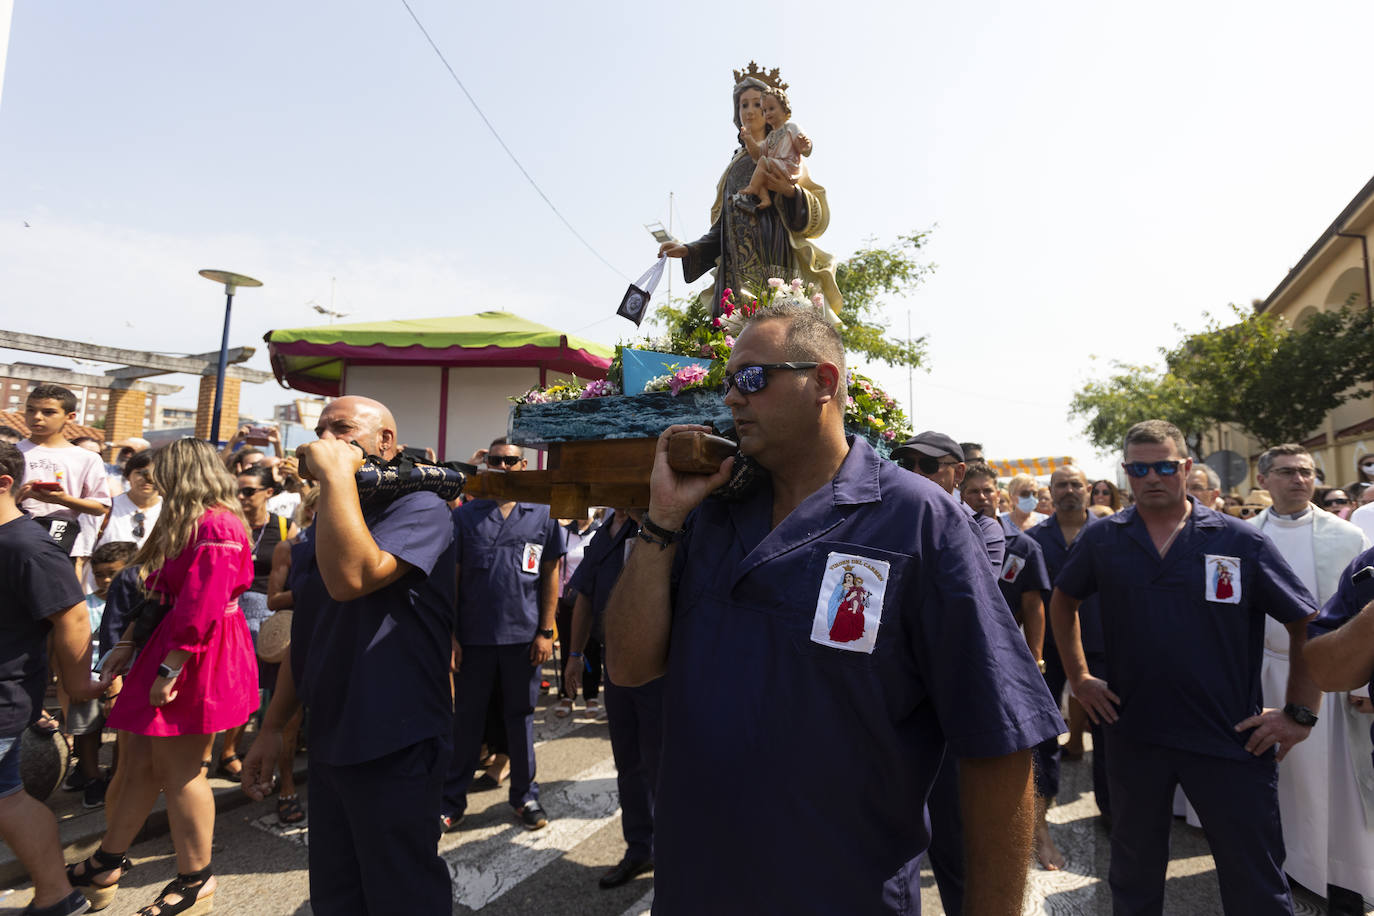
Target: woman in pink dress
x=196, y=676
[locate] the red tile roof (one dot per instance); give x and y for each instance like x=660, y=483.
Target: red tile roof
x=15, y=419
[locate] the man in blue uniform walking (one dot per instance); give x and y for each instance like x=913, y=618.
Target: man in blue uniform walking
x=838, y=630
x=1184, y=594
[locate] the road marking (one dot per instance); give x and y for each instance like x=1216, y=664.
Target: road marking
x=642, y=906
x=491, y=860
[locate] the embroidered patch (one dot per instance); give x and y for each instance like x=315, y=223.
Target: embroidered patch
x=1012, y=566
x=1221, y=579
x=850, y=605
x=529, y=560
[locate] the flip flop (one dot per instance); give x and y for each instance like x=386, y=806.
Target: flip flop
x=564, y=708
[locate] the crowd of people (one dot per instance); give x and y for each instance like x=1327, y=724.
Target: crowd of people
x=896, y=647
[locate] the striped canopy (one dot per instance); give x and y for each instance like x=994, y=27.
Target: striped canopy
x=1035, y=467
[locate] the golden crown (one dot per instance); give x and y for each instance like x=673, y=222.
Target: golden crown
x=769, y=77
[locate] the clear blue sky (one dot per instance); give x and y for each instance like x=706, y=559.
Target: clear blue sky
x=1096, y=173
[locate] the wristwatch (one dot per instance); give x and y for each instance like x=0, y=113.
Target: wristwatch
x=1300, y=714
x=547, y=634
x=168, y=673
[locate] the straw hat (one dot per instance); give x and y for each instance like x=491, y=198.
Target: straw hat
x=274, y=637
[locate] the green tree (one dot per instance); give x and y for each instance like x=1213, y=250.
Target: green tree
x=1134, y=393
x=865, y=279
x=1276, y=382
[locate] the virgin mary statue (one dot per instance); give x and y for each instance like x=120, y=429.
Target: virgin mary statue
x=747, y=248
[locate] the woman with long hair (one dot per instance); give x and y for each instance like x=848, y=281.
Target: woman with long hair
x=196, y=676
x=255, y=485
x=1105, y=493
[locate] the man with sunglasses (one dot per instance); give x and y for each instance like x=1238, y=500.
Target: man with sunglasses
x=836, y=630
x=508, y=555
x=1329, y=845
x=1185, y=591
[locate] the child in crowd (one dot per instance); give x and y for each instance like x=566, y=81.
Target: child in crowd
x=86, y=719
x=61, y=481
x=784, y=146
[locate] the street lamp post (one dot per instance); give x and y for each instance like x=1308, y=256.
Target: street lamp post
x=230, y=280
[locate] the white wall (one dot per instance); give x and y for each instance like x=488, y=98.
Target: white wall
x=411, y=393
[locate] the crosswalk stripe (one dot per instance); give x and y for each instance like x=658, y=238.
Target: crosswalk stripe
x=491, y=860
x=642, y=906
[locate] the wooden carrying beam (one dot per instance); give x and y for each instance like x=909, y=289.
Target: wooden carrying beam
x=603, y=472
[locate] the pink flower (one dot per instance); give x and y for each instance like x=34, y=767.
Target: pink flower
x=818, y=300
x=889, y=435
x=706, y=350
x=729, y=341
x=728, y=293
x=716, y=323
x=728, y=307
x=686, y=376
x=775, y=282
x=598, y=389
x=796, y=284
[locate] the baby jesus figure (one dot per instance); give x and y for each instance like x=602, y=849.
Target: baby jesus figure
x=784, y=145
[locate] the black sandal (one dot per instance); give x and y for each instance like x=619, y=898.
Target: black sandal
x=186, y=888
x=223, y=771
x=289, y=810
x=100, y=863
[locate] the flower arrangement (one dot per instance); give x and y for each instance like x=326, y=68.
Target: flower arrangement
x=695, y=332
x=567, y=391
x=869, y=407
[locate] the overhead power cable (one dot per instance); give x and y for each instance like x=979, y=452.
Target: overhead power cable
x=425, y=32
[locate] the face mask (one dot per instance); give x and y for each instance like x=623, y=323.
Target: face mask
x=1027, y=503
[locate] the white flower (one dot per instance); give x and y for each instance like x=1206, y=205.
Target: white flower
x=775, y=282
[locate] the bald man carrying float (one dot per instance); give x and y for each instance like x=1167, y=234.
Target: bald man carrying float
x=370, y=644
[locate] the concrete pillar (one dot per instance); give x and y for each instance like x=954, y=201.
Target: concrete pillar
x=123, y=417
x=229, y=411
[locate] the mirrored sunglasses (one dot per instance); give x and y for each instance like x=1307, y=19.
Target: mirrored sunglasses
x=753, y=379
x=1140, y=469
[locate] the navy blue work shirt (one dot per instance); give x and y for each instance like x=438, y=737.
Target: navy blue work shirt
x=36, y=582
x=1023, y=568
x=1348, y=601
x=837, y=656
x=374, y=671
x=498, y=570
x=601, y=564
x=1051, y=540
x=1184, y=640
x=994, y=540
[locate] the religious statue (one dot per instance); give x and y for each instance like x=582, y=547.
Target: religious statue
x=785, y=145
x=747, y=248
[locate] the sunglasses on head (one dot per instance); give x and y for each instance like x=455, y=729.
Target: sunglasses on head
x=509, y=461
x=1140, y=469
x=753, y=379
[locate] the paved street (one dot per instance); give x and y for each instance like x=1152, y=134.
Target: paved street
x=500, y=869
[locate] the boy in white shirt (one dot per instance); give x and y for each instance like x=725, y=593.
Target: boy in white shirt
x=62, y=481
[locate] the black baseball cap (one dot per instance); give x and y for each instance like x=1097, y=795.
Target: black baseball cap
x=931, y=444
